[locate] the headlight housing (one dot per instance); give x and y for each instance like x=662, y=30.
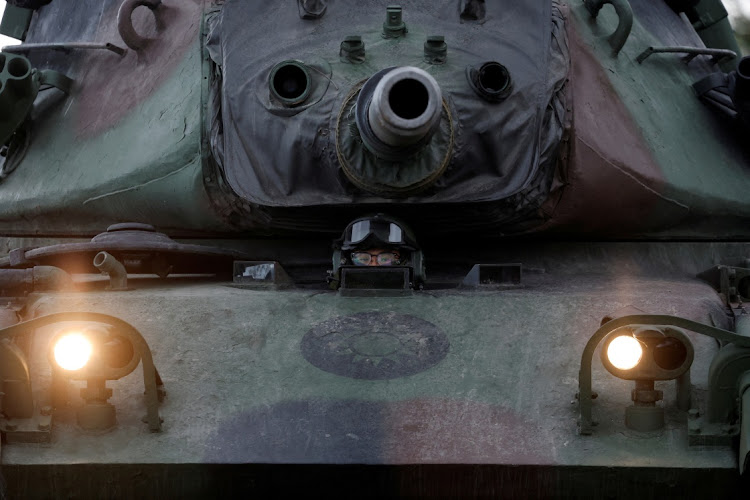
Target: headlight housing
x=647, y=353
x=90, y=351
x=88, y=346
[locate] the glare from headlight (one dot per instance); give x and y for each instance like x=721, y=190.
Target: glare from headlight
x=624, y=352
x=72, y=351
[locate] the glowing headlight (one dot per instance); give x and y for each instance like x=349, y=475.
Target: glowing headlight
x=624, y=352
x=72, y=351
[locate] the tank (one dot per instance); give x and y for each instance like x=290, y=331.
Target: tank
x=456, y=248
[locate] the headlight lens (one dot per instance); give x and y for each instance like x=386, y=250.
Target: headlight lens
x=624, y=352
x=72, y=351
x=670, y=354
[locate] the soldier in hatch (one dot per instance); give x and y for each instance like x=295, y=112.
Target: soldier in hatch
x=378, y=240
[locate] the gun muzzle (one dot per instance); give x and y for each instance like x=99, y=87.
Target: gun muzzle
x=405, y=108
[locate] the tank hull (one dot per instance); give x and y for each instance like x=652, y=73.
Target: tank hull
x=445, y=390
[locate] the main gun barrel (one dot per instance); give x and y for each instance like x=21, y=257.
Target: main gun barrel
x=405, y=108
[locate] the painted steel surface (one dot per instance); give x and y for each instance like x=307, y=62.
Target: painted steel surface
x=243, y=388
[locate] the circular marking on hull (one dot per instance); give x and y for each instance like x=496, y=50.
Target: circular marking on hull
x=375, y=345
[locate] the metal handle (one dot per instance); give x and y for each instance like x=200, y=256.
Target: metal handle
x=692, y=53
x=625, y=20
x=125, y=22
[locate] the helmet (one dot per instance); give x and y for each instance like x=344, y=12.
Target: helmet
x=377, y=230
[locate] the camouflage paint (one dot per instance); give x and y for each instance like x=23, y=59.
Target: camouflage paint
x=607, y=161
x=232, y=361
x=112, y=88
x=702, y=164
x=134, y=151
x=135, y=154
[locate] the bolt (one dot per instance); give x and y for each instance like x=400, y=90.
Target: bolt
x=352, y=50
x=394, y=26
x=394, y=15
x=353, y=42
x=435, y=49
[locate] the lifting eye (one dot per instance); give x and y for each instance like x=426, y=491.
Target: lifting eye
x=290, y=83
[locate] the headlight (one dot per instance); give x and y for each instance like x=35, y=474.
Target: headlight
x=647, y=353
x=96, y=348
x=72, y=351
x=624, y=352
x=83, y=346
